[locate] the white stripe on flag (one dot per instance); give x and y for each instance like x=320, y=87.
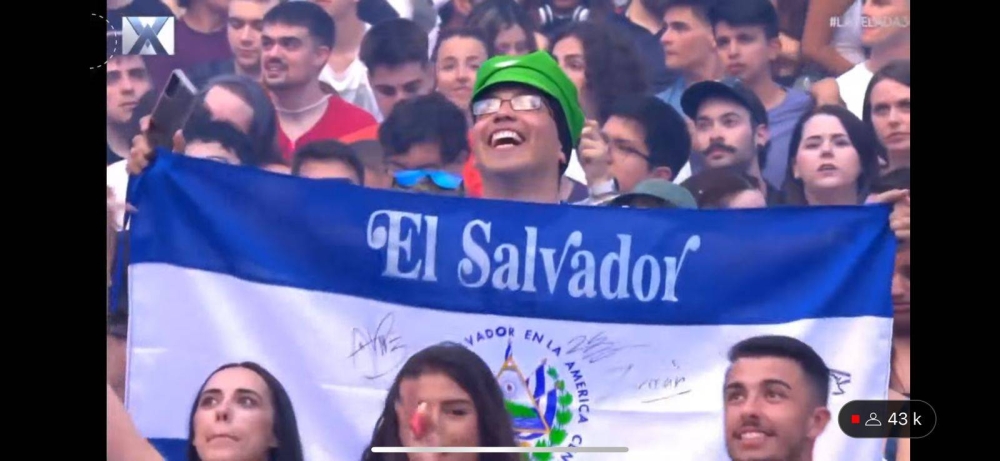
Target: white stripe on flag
x=657, y=389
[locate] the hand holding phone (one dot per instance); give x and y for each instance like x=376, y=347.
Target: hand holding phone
x=142, y=151
x=172, y=109
x=163, y=127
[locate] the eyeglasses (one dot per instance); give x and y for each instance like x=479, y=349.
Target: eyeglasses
x=442, y=179
x=523, y=102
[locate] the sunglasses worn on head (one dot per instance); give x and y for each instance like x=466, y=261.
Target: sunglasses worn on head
x=524, y=102
x=442, y=179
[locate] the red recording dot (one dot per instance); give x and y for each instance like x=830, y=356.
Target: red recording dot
x=855, y=419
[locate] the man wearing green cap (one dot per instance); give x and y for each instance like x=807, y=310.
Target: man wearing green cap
x=527, y=121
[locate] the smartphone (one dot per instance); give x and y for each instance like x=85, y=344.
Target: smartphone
x=172, y=110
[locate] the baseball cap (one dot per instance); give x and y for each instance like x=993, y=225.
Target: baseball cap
x=537, y=70
x=729, y=88
x=661, y=189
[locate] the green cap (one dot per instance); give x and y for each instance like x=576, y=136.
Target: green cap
x=537, y=70
x=661, y=189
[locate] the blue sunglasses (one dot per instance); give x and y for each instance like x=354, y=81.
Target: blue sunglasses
x=442, y=179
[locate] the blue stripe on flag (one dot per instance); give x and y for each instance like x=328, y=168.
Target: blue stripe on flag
x=539, y=381
x=778, y=265
x=171, y=449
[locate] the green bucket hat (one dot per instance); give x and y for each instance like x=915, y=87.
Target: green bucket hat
x=661, y=189
x=537, y=70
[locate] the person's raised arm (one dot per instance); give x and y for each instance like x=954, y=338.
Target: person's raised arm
x=818, y=33
x=124, y=441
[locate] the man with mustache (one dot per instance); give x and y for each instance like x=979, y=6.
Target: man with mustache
x=747, y=35
x=526, y=122
x=243, y=29
x=730, y=129
x=775, y=399
x=297, y=41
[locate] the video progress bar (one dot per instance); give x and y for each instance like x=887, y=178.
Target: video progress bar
x=499, y=449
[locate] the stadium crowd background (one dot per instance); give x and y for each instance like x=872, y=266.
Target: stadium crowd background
x=812, y=106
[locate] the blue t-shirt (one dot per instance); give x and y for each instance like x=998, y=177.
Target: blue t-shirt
x=672, y=95
x=171, y=449
x=781, y=122
x=891, y=446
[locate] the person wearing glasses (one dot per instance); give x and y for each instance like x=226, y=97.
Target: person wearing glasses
x=421, y=152
x=641, y=138
x=526, y=122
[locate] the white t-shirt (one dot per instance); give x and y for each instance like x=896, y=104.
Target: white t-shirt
x=118, y=182
x=352, y=85
x=403, y=7
x=847, y=37
x=574, y=170
x=432, y=38
x=684, y=173
x=852, y=85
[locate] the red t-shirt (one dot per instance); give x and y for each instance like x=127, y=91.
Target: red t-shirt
x=470, y=174
x=342, y=122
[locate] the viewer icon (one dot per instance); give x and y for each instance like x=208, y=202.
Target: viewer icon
x=873, y=421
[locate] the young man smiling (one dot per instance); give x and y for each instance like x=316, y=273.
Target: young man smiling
x=526, y=122
x=775, y=399
x=296, y=41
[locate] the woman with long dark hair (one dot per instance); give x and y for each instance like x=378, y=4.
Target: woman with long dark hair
x=444, y=396
x=886, y=111
x=601, y=64
x=832, y=159
x=241, y=412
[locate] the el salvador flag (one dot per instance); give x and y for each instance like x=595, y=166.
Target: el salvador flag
x=616, y=321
